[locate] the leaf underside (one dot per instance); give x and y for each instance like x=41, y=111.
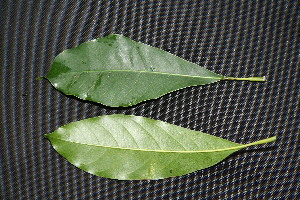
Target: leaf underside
x=117, y=71
x=132, y=148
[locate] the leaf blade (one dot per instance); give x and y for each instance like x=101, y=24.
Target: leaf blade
x=125, y=71
x=140, y=158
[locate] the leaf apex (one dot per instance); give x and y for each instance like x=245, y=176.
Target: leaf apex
x=40, y=78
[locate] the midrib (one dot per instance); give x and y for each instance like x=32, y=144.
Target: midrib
x=146, y=72
x=158, y=150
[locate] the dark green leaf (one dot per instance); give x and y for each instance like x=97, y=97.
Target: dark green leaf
x=117, y=71
x=130, y=147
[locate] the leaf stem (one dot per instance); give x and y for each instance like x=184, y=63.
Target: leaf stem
x=245, y=79
x=263, y=141
x=267, y=140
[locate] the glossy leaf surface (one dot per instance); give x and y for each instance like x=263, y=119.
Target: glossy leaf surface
x=131, y=147
x=117, y=71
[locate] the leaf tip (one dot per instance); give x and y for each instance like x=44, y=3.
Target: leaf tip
x=47, y=135
x=40, y=78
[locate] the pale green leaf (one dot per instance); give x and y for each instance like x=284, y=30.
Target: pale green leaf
x=117, y=71
x=131, y=147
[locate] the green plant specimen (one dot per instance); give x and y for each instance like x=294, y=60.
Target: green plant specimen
x=117, y=71
x=132, y=148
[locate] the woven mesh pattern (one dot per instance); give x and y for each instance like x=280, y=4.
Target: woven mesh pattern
x=232, y=38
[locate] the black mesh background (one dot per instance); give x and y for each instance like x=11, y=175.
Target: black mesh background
x=233, y=38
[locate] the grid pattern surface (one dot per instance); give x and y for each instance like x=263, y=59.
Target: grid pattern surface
x=232, y=38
